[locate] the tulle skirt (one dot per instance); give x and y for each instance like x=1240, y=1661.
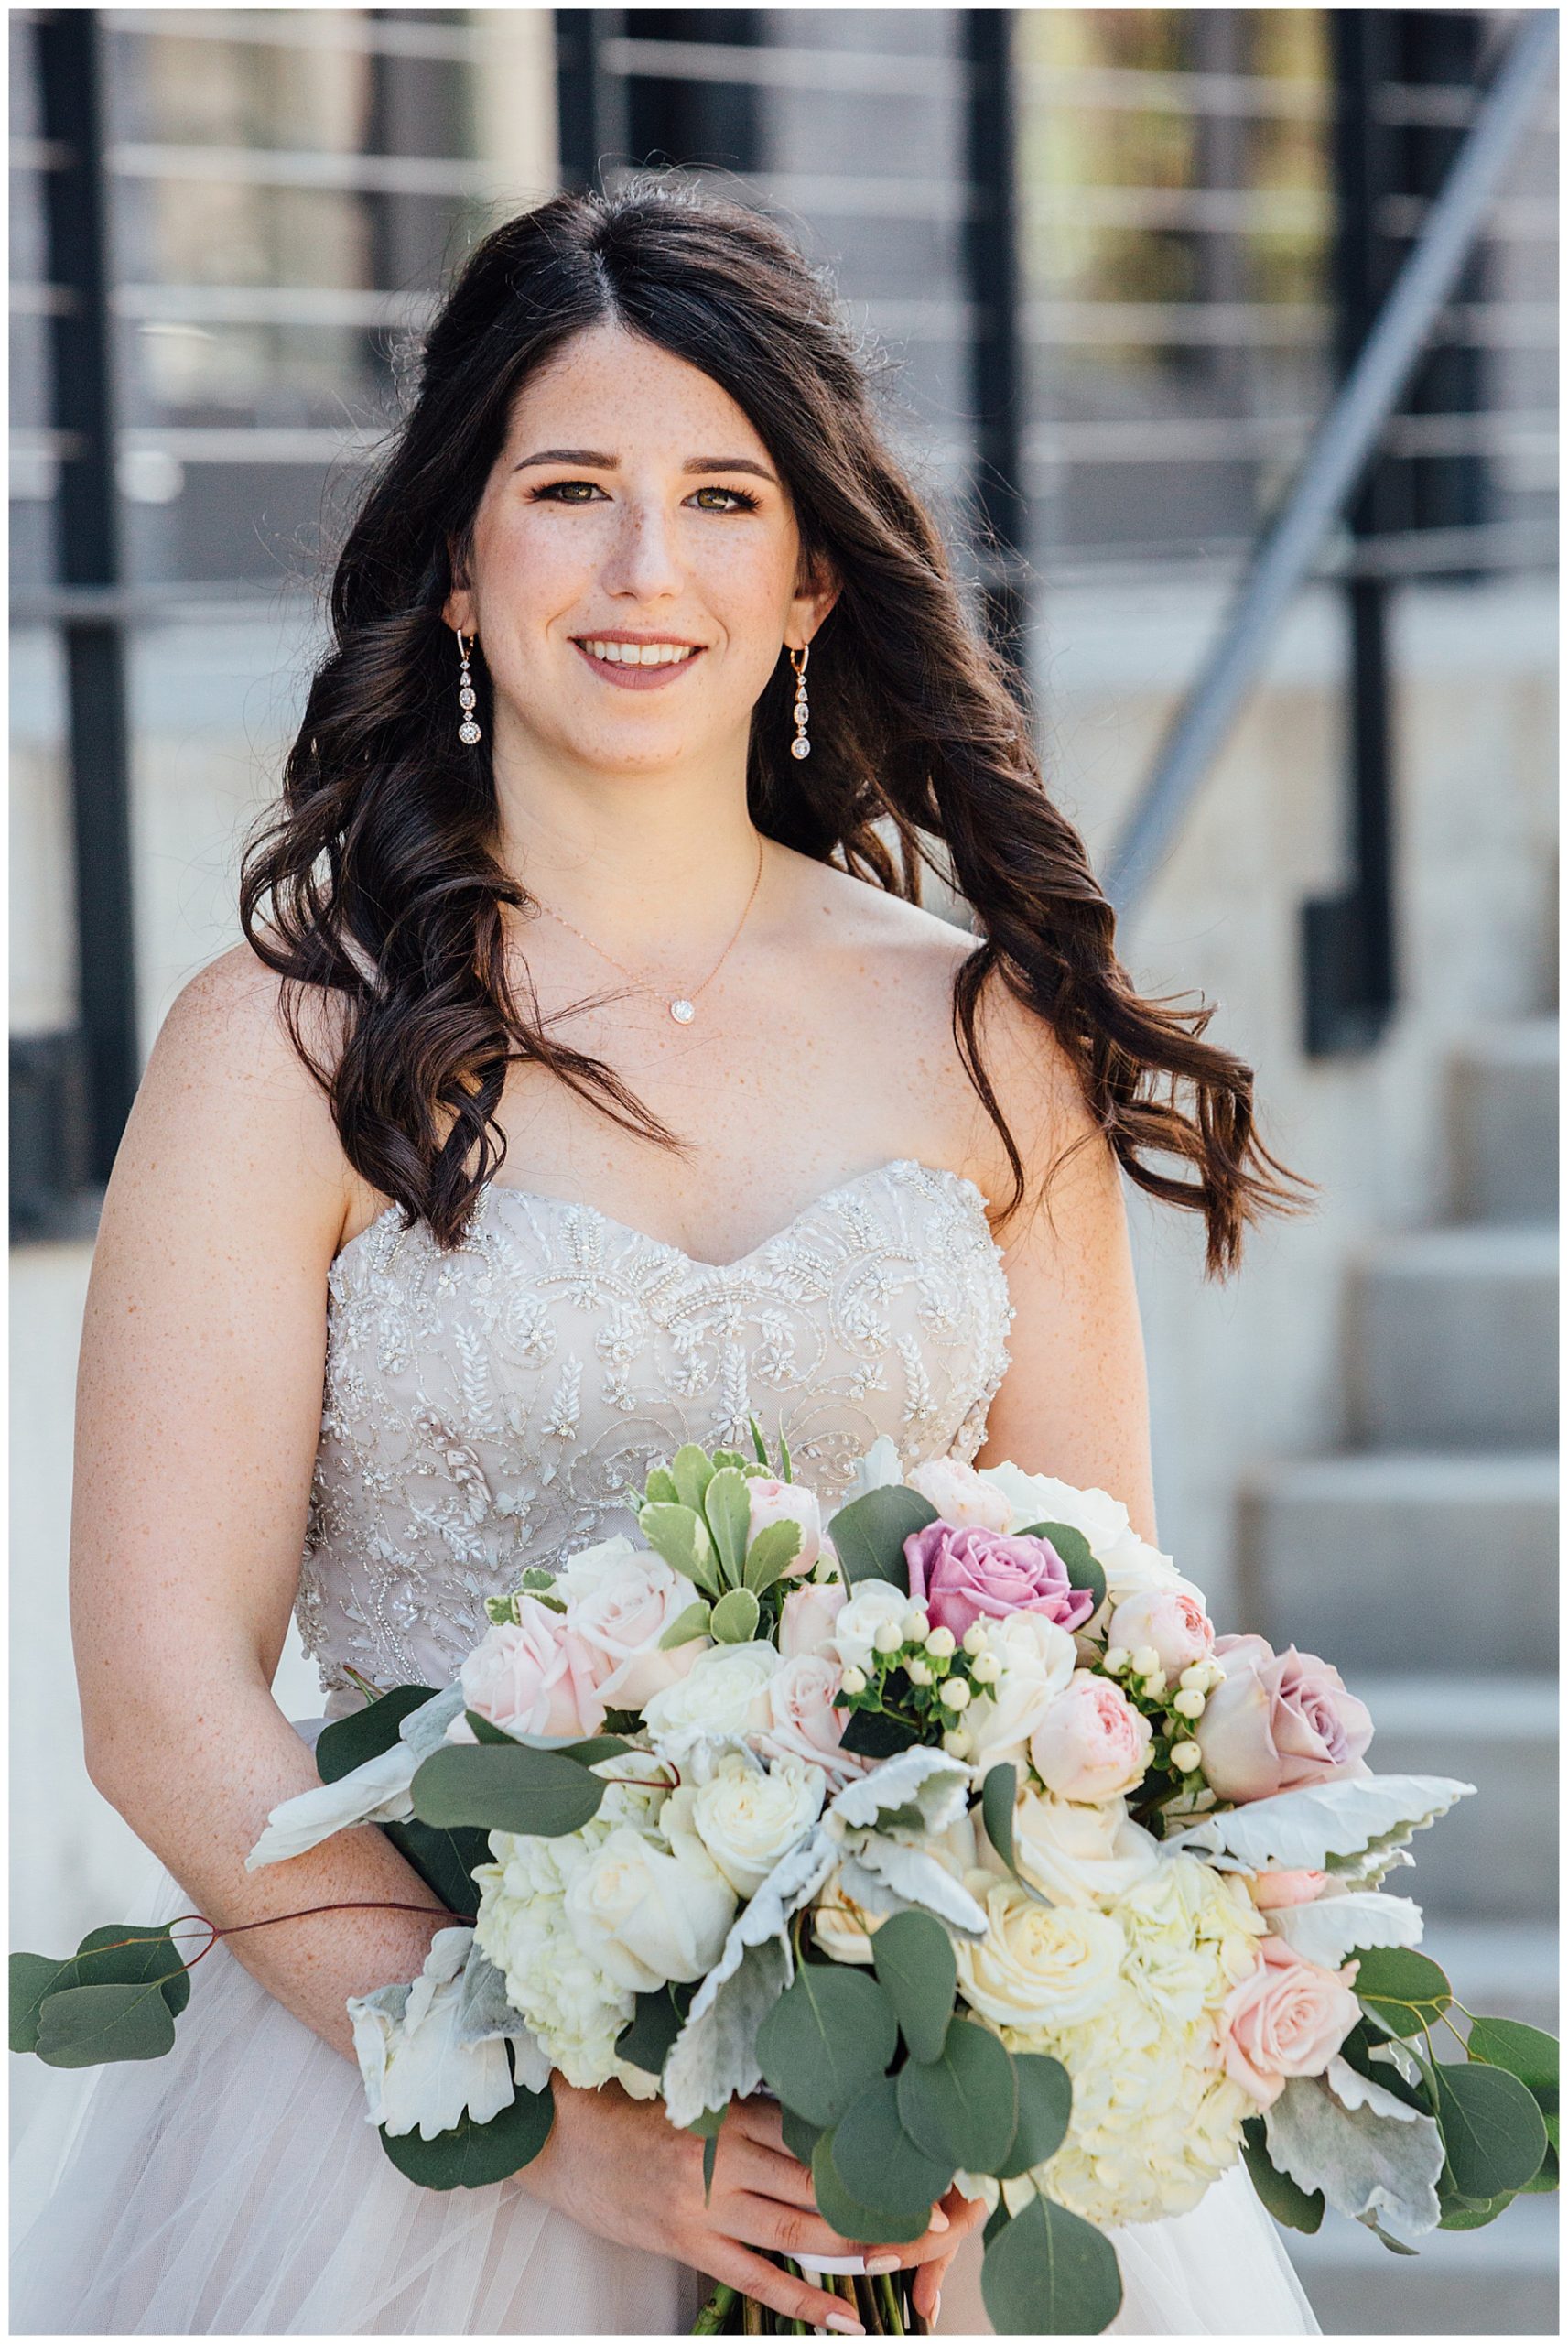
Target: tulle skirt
x=236, y=2188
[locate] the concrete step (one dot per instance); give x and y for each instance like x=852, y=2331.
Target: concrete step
x=1501, y=2281
x=1453, y=1340
x=1379, y=1559
x=1503, y=1122
x=1494, y=1856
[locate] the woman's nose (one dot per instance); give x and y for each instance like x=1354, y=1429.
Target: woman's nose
x=642, y=561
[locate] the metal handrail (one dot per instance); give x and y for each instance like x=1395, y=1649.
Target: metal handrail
x=1345, y=442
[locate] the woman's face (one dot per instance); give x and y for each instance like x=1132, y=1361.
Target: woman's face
x=635, y=564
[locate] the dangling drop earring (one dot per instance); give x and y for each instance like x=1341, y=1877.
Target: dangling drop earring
x=800, y=746
x=468, y=731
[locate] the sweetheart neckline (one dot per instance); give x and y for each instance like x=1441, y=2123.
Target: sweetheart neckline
x=664, y=1245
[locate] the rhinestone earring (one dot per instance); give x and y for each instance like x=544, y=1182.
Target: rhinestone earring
x=800, y=746
x=468, y=731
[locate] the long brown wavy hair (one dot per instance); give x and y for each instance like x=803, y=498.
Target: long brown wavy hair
x=379, y=872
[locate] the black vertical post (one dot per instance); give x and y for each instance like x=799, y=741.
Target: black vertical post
x=1348, y=942
x=591, y=99
x=990, y=249
x=70, y=80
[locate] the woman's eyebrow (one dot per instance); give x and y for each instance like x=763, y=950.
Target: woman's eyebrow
x=598, y=461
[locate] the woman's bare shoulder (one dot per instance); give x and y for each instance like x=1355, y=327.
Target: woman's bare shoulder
x=228, y=1116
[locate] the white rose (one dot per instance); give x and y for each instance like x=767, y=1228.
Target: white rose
x=1130, y=1563
x=960, y=1494
x=647, y=1916
x=723, y=1695
x=874, y=1603
x=747, y=1819
x=1080, y=1855
x=619, y=1600
x=843, y=1928
x=773, y=1500
x=1039, y=1965
x=574, y=2009
x=1036, y=1660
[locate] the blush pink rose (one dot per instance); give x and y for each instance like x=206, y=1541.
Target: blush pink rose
x=535, y=1678
x=773, y=1502
x=804, y=1723
x=1170, y=1620
x=805, y=1622
x=964, y=1575
x=1278, y=1723
x=1091, y=1744
x=619, y=1605
x=1273, y=1890
x=1288, y=2019
x=960, y=1494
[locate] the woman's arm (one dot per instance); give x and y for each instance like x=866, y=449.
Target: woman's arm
x=1074, y=1400
x=198, y=1408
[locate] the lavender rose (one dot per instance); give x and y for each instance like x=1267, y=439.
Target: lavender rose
x=964, y=1575
x=1280, y=1721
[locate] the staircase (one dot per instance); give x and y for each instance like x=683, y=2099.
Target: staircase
x=1422, y=1560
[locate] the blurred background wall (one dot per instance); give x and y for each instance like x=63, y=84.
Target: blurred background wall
x=1117, y=261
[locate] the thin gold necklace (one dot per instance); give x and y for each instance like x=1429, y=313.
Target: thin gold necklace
x=682, y=1008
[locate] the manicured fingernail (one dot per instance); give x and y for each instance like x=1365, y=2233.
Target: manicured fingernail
x=877, y=2263
x=843, y=2326
x=935, y=2310
x=938, y=2219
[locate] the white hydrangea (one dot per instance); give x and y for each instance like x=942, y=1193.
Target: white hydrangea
x=574, y=2008
x=1155, y=2119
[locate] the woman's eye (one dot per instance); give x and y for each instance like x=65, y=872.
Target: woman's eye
x=729, y=500
x=569, y=491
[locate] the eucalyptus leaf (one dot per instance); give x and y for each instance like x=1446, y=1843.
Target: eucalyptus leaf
x=999, y=1797
x=644, y=2042
x=32, y=1976
x=88, y=2026
x=1049, y=2273
x=914, y=1958
x=823, y=2040
x=877, y=2162
x=531, y=1791
x=735, y=1617
x=1474, y=2213
x=963, y=2106
x=1045, y=2110
x=868, y=1534
x=1526, y=2052
x=869, y=2225
x=126, y=1953
x=800, y=2137
x=1491, y=2127
x=1403, y=1988
x=444, y=1859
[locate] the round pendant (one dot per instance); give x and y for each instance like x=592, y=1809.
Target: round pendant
x=683, y=1012
x=469, y=733
x=801, y=748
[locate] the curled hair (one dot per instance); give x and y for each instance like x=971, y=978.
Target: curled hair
x=379, y=871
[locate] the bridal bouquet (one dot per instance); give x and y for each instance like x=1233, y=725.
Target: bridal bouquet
x=954, y=1826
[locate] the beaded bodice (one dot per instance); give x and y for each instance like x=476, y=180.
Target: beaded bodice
x=489, y=1406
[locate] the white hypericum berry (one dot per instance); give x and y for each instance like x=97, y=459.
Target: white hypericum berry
x=1189, y=1702
x=956, y=1694
x=975, y=1638
x=920, y=1673
x=987, y=1668
x=1155, y=1685
x=1185, y=1757
x=916, y=1626
x=854, y=1680
x=1145, y=1661
x=956, y=1743
x=1116, y=1659
x=889, y=1635
x=1195, y=1678
x=943, y=1643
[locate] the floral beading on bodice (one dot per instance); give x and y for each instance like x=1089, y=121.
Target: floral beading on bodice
x=490, y=1407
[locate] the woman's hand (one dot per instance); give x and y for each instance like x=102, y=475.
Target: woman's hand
x=619, y=2166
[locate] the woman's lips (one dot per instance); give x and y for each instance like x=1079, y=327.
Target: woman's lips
x=637, y=679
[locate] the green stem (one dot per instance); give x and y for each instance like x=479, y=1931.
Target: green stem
x=710, y=2319
x=892, y=2311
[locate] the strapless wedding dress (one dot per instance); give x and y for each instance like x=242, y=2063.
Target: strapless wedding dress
x=482, y=1409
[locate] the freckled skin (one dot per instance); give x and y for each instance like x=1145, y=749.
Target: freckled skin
x=823, y=1047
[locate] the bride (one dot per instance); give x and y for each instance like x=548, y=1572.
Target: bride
x=590, y=1079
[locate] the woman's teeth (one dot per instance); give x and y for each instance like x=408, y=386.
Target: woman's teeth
x=640, y=655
